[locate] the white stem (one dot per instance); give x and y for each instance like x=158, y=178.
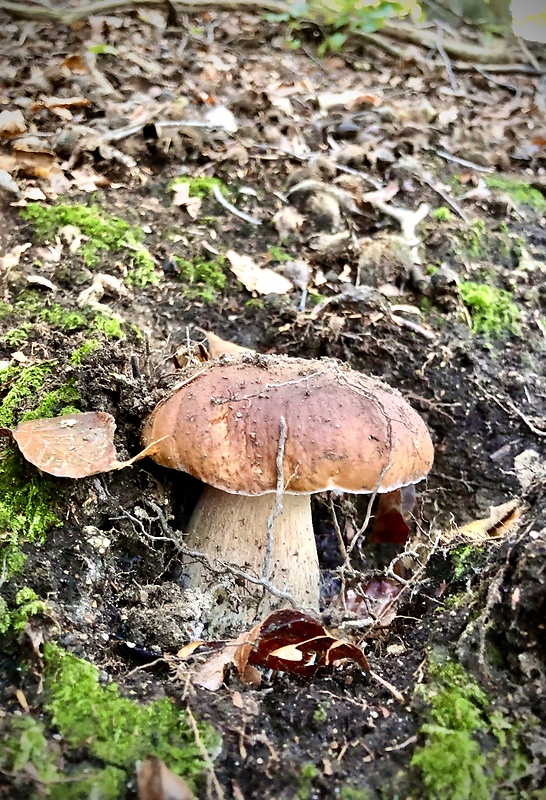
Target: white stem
x=232, y=529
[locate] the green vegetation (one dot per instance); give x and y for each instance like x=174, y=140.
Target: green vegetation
x=442, y=214
x=96, y=723
x=341, y=18
x=199, y=187
x=475, y=239
x=27, y=749
x=453, y=764
x=351, y=793
x=492, y=310
x=111, y=327
x=308, y=775
x=203, y=279
x=254, y=304
x=467, y=561
x=279, y=255
x=27, y=500
x=520, y=192
x=102, y=232
x=27, y=605
x=320, y=714
x=86, y=349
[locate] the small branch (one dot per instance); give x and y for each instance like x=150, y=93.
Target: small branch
x=235, y=211
x=386, y=685
x=462, y=161
x=67, y=16
x=445, y=57
x=278, y=497
x=217, y=567
x=220, y=794
x=406, y=32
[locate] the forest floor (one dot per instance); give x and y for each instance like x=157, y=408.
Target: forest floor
x=409, y=201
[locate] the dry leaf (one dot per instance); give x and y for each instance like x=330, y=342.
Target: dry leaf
x=257, y=279
x=156, y=781
x=219, y=347
x=501, y=522
x=286, y=640
x=374, y=601
x=182, y=198
x=70, y=446
x=12, y=123
x=13, y=256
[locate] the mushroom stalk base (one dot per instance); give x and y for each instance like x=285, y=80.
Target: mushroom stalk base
x=232, y=529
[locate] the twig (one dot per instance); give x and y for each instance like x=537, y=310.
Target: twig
x=392, y=689
x=67, y=16
x=455, y=48
x=462, y=161
x=515, y=410
x=445, y=57
x=205, y=755
x=413, y=326
x=509, y=86
x=527, y=53
x=278, y=497
x=235, y=211
x=218, y=567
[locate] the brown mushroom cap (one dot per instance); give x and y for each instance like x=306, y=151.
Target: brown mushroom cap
x=345, y=431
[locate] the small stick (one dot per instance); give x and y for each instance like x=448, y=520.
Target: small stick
x=392, y=689
x=462, y=161
x=235, y=211
x=283, y=430
x=205, y=755
x=445, y=58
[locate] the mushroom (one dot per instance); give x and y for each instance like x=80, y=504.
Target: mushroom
x=266, y=431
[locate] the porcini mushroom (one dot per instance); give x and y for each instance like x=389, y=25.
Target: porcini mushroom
x=245, y=424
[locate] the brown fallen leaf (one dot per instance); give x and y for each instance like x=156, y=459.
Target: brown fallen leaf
x=73, y=445
x=390, y=523
x=257, y=279
x=502, y=521
x=374, y=601
x=156, y=781
x=287, y=640
x=70, y=446
x=12, y=123
x=219, y=347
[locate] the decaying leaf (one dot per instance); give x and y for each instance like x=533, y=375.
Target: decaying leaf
x=287, y=640
x=501, y=522
x=390, y=524
x=12, y=123
x=373, y=601
x=219, y=347
x=73, y=445
x=157, y=782
x=257, y=279
x=70, y=446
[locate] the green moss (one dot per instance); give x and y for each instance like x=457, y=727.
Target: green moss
x=279, y=255
x=255, y=304
x=199, y=187
x=350, y=793
x=475, y=239
x=492, y=310
x=27, y=499
x=115, y=729
x=79, y=355
x=5, y=616
x=320, y=714
x=308, y=775
x=467, y=560
x=103, y=231
x=27, y=752
x=16, y=337
x=142, y=272
x=442, y=214
x=60, y=319
x=519, y=191
x=453, y=763
x=314, y=298
x=6, y=310
x=203, y=279
x=111, y=327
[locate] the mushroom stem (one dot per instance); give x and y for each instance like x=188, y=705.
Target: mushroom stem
x=232, y=529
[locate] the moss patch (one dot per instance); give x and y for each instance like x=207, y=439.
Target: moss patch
x=492, y=310
x=102, y=233
x=455, y=761
x=202, y=279
x=519, y=191
x=27, y=499
x=115, y=729
x=199, y=187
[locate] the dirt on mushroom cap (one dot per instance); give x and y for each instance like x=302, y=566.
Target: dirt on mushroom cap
x=346, y=431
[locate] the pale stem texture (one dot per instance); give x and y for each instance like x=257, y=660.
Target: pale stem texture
x=233, y=529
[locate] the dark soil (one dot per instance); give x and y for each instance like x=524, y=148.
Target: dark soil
x=121, y=604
